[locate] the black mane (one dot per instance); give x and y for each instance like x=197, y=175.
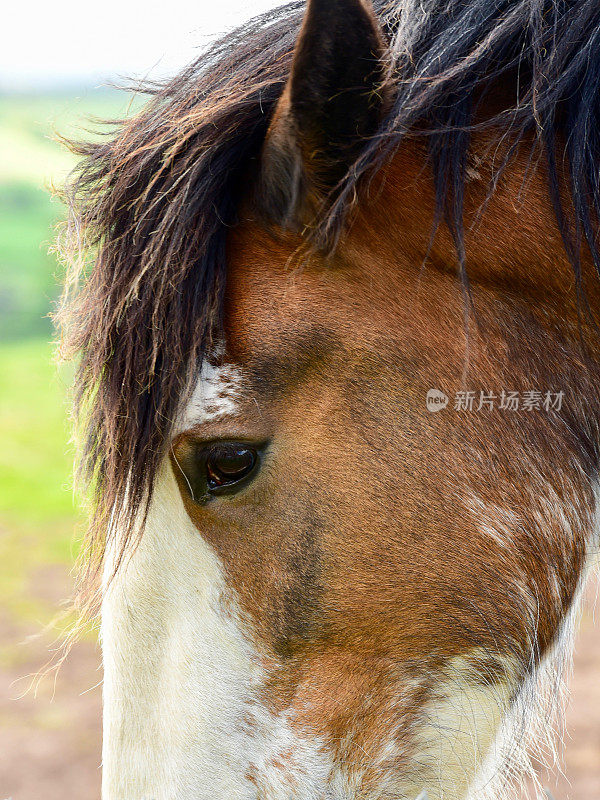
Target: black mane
x=151, y=203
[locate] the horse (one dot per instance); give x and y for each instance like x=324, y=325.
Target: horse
x=333, y=297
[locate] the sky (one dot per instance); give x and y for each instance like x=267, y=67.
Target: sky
x=73, y=42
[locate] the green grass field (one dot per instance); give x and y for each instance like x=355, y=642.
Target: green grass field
x=30, y=162
x=38, y=514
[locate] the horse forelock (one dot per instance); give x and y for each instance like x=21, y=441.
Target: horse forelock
x=153, y=203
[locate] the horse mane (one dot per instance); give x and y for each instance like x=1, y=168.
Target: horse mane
x=151, y=202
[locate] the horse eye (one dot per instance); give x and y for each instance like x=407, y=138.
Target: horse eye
x=228, y=464
x=205, y=470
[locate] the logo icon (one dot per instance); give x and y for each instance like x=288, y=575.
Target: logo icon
x=436, y=400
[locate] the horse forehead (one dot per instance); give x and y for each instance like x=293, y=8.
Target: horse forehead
x=278, y=293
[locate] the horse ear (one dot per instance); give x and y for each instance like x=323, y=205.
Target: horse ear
x=331, y=104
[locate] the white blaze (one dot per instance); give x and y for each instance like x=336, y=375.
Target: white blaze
x=179, y=672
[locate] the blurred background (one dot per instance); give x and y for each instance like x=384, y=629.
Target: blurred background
x=56, y=63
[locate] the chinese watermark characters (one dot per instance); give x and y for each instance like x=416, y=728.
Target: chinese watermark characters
x=471, y=401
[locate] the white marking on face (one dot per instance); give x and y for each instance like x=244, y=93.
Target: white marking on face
x=452, y=735
x=214, y=396
x=500, y=524
x=462, y=722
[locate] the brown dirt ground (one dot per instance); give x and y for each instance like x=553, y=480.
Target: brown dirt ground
x=50, y=743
